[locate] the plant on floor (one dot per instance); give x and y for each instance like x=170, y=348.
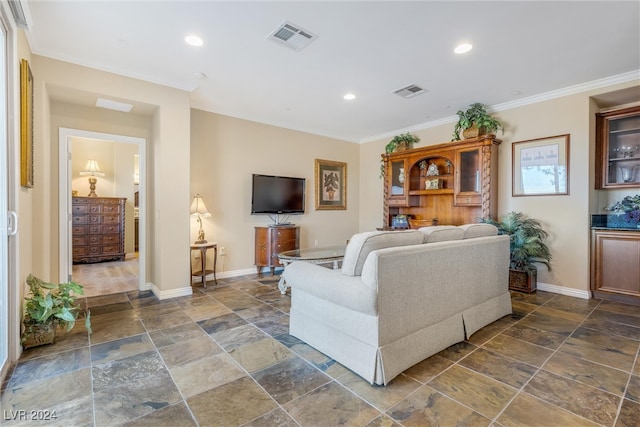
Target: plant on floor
x=527, y=246
x=48, y=306
x=476, y=115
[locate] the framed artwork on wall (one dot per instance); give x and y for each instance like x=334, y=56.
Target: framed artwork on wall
x=26, y=125
x=330, y=185
x=541, y=166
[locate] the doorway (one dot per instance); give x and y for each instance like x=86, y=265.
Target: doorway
x=73, y=137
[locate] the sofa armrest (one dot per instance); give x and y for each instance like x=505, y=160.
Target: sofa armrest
x=331, y=285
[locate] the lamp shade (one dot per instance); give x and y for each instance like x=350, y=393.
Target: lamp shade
x=92, y=169
x=198, y=207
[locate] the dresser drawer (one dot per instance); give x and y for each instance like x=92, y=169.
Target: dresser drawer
x=110, y=229
x=111, y=219
x=78, y=230
x=95, y=229
x=80, y=251
x=282, y=246
x=79, y=219
x=110, y=239
x=95, y=239
x=94, y=209
x=111, y=209
x=79, y=209
x=110, y=249
x=79, y=240
x=95, y=219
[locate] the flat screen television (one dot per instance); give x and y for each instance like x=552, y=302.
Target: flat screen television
x=277, y=195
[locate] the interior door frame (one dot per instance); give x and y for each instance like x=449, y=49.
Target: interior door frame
x=64, y=138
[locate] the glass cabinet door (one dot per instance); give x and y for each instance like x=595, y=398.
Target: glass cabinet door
x=468, y=180
x=398, y=178
x=619, y=147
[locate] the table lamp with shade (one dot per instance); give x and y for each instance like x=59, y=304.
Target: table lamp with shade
x=199, y=210
x=92, y=170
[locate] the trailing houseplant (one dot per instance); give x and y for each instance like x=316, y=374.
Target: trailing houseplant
x=476, y=115
x=48, y=306
x=405, y=140
x=527, y=248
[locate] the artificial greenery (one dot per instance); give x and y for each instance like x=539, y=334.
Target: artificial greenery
x=406, y=138
x=52, y=304
x=476, y=113
x=527, y=241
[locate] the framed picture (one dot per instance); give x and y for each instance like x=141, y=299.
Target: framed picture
x=541, y=166
x=26, y=125
x=331, y=185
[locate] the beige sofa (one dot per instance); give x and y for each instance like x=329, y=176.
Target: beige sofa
x=401, y=296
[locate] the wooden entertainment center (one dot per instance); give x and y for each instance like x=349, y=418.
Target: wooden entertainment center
x=452, y=183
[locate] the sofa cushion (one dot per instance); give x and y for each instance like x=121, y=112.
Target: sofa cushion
x=441, y=233
x=361, y=244
x=472, y=231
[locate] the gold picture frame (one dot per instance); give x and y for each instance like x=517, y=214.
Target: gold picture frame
x=330, y=185
x=26, y=125
x=541, y=166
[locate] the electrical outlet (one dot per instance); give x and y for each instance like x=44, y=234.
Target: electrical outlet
x=223, y=251
x=315, y=243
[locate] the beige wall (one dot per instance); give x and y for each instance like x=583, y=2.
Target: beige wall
x=225, y=151
x=167, y=153
x=566, y=218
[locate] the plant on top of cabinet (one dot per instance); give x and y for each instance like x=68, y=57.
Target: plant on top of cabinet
x=476, y=121
x=405, y=140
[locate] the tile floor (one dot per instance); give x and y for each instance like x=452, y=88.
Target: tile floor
x=223, y=357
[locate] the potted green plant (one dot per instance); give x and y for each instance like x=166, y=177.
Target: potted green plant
x=527, y=248
x=476, y=121
x=400, y=142
x=48, y=306
x=403, y=141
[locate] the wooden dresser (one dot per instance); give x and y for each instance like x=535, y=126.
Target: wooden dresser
x=270, y=241
x=97, y=229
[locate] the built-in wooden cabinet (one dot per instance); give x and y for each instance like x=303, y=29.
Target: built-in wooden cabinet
x=615, y=265
x=451, y=183
x=97, y=229
x=618, y=148
x=270, y=241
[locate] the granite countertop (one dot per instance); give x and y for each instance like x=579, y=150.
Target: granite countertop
x=612, y=221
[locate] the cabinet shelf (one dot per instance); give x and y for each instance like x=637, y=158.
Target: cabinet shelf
x=431, y=192
x=625, y=159
x=616, y=132
x=624, y=131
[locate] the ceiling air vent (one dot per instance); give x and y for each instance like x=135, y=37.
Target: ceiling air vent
x=410, y=91
x=292, y=36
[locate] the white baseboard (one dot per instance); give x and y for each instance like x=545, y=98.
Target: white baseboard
x=570, y=292
x=171, y=293
x=233, y=273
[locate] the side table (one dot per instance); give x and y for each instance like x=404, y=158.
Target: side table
x=203, y=247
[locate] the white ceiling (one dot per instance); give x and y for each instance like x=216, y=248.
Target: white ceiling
x=521, y=50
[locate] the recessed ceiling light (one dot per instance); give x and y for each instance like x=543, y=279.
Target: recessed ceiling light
x=463, y=48
x=193, y=40
x=349, y=97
